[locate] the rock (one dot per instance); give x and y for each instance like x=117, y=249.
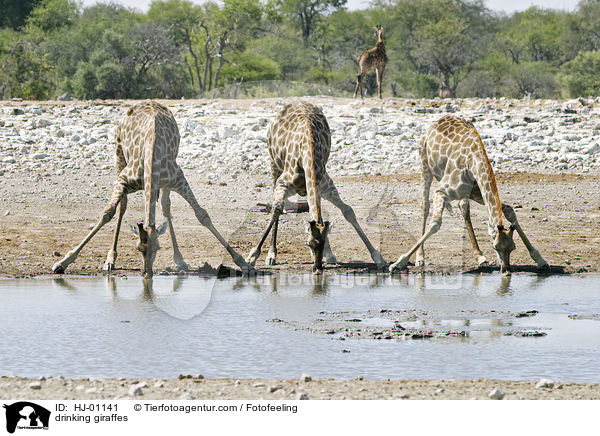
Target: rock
x=9, y=160
x=545, y=383
x=64, y=97
x=305, y=378
x=56, y=254
x=135, y=391
x=593, y=149
x=17, y=111
x=159, y=384
x=35, y=385
x=302, y=396
x=496, y=394
x=91, y=391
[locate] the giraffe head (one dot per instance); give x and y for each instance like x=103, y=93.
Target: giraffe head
x=504, y=245
x=317, y=235
x=148, y=245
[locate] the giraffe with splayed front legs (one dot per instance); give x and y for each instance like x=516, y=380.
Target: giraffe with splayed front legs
x=147, y=143
x=299, y=142
x=453, y=153
x=374, y=58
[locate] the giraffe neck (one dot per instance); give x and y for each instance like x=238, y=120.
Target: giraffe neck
x=311, y=179
x=486, y=180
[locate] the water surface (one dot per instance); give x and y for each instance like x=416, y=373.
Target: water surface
x=115, y=327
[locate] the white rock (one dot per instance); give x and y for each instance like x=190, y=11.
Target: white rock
x=35, y=385
x=496, y=394
x=545, y=383
x=305, y=378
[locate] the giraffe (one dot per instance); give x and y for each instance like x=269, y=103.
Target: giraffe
x=369, y=59
x=147, y=143
x=299, y=141
x=452, y=152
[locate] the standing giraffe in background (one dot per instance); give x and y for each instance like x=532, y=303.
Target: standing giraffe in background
x=373, y=58
x=453, y=153
x=147, y=143
x=299, y=141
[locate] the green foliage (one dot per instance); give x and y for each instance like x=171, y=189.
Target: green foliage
x=251, y=68
x=581, y=76
x=14, y=12
x=183, y=49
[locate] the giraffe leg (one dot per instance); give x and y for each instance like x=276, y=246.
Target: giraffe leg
x=331, y=194
x=111, y=257
x=328, y=254
x=379, y=75
x=272, y=255
x=358, y=86
x=427, y=178
x=510, y=215
x=282, y=191
x=440, y=202
x=465, y=208
x=108, y=213
x=165, y=205
x=182, y=187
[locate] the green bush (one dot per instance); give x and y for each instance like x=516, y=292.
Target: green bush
x=581, y=76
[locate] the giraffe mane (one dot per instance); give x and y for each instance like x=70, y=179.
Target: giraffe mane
x=490, y=171
x=314, y=169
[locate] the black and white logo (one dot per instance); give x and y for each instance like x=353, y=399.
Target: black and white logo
x=26, y=415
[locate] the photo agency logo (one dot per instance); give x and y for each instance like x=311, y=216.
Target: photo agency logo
x=24, y=415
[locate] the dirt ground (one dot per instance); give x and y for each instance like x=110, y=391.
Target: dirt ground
x=44, y=216
x=195, y=388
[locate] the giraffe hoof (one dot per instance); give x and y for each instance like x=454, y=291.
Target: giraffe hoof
x=270, y=261
x=483, y=263
x=182, y=267
x=331, y=260
x=108, y=267
x=544, y=266
x=398, y=266
x=57, y=268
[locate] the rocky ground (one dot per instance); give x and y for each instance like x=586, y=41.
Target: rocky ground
x=196, y=388
x=56, y=175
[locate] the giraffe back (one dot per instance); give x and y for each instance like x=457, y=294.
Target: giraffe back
x=299, y=142
x=146, y=135
x=453, y=152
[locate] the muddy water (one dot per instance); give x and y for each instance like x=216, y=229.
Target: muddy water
x=282, y=326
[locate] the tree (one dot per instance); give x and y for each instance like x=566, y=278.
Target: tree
x=52, y=15
x=14, y=12
x=581, y=76
x=536, y=35
x=307, y=13
x=183, y=19
x=444, y=37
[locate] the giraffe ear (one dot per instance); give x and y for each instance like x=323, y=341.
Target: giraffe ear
x=500, y=227
x=134, y=230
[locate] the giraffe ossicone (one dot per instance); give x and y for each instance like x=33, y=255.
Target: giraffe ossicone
x=299, y=142
x=147, y=143
x=452, y=152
